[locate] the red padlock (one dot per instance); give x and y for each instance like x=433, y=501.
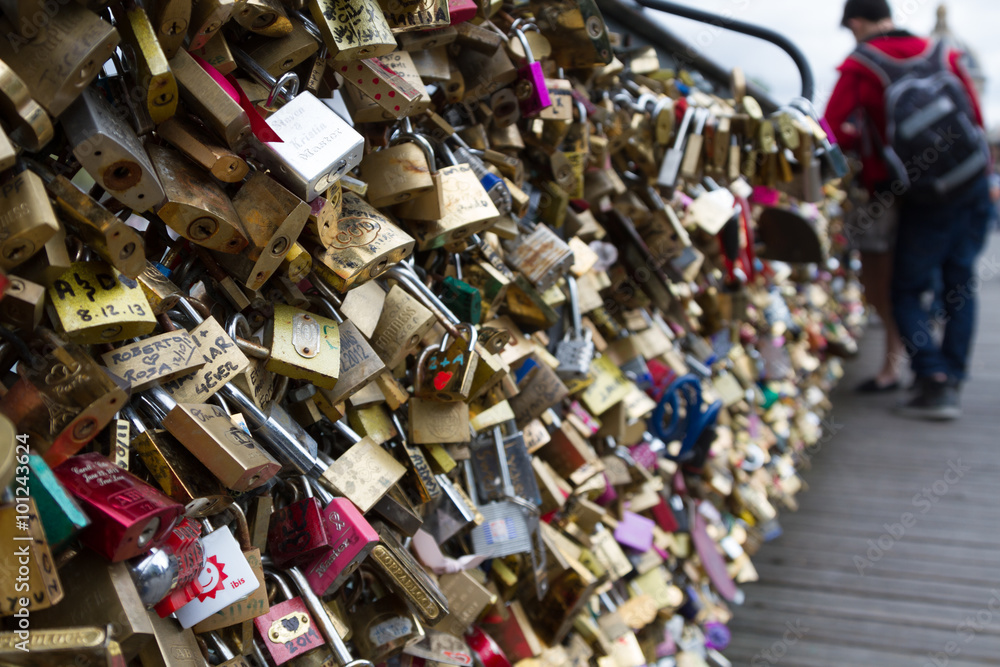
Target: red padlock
x=351, y=540
x=288, y=630
x=296, y=533
x=128, y=517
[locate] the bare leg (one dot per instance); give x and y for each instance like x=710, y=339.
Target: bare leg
x=876, y=276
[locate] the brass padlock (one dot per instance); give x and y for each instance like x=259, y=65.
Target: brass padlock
x=32, y=127
x=170, y=19
x=364, y=473
x=364, y=245
x=264, y=17
x=28, y=561
x=399, y=172
x=157, y=86
x=209, y=101
x=203, y=150
x=195, y=207
x=278, y=55
x=110, y=152
x=207, y=16
x=371, y=81
x=352, y=29
x=273, y=218
x=209, y=433
x=446, y=372
x=404, y=17
x=303, y=346
x=403, y=322
x=64, y=58
x=24, y=303
x=28, y=222
x=94, y=303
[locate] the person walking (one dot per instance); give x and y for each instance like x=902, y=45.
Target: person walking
x=930, y=159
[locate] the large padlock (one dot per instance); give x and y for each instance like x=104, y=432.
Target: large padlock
x=576, y=350
x=128, y=516
x=94, y=303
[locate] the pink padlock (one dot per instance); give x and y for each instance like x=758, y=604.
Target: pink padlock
x=532, y=94
x=350, y=539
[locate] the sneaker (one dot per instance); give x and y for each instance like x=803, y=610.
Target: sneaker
x=937, y=401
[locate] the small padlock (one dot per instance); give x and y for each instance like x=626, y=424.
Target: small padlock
x=541, y=256
x=364, y=473
x=156, y=87
x=403, y=574
x=264, y=17
x=128, y=516
x=288, y=629
x=576, y=350
x=504, y=530
x=399, y=172
x=530, y=89
x=62, y=517
x=29, y=221
x=297, y=532
x=352, y=29
x=446, y=373
x=203, y=150
x=402, y=323
x=209, y=101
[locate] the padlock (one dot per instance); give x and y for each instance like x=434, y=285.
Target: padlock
x=111, y=239
x=207, y=16
x=362, y=246
x=226, y=578
x=532, y=93
x=157, y=87
x=171, y=570
x=303, y=346
x=403, y=17
x=399, y=172
x=350, y=539
x=288, y=629
x=196, y=207
x=178, y=472
x=128, y=516
x=403, y=574
x=402, y=323
x=61, y=516
x=375, y=92
x=494, y=185
x=452, y=513
x=209, y=433
x=264, y=17
x=446, y=373
x=27, y=568
x=209, y=101
x=32, y=127
x=504, y=530
x=63, y=646
x=467, y=208
x=272, y=218
x=63, y=58
x=317, y=146
x=110, y=151
x=352, y=29
x=364, y=473
x=249, y=606
x=203, y=150
x=283, y=54
x=576, y=350
x=29, y=222
x=62, y=402
x=297, y=532
x=383, y=627
x=541, y=256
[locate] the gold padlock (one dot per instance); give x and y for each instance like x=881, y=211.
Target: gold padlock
x=404, y=17
x=28, y=222
x=94, y=303
x=64, y=58
x=303, y=346
x=29, y=560
x=401, y=325
x=203, y=150
x=207, y=16
x=365, y=244
x=231, y=453
x=283, y=54
x=264, y=17
x=352, y=29
x=158, y=87
x=399, y=172
x=170, y=19
x=195, y=207
x=272, y=218
x=206, y=98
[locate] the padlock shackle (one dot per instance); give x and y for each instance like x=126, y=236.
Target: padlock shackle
x=420, y=141
x=574, y=306
x=271, y=570
x=409, y=281
x=215, y=641
x=529, y=57
x=348, y=432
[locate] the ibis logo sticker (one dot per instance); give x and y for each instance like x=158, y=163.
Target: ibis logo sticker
x=211, y=578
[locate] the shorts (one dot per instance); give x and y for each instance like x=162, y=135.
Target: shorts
x=871, y=227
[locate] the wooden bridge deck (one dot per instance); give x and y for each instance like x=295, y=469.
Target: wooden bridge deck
x=893, y=558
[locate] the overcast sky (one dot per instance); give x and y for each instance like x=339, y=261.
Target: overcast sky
x=814, y=26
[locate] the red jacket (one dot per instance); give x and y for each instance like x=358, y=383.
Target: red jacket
x=860, y=89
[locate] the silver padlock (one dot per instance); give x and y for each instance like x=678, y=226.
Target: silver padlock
x=317, y=146
x=111, y=152
x=505, y=530
x=540, y=255
x=576, y=350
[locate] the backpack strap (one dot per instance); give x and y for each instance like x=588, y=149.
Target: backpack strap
x=889, y=69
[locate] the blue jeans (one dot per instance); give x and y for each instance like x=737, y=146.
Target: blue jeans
x=936, y=250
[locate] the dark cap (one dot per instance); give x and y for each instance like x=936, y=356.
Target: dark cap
x=872, y=10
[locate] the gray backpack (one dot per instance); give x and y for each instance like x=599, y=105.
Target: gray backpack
x=934, y=146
